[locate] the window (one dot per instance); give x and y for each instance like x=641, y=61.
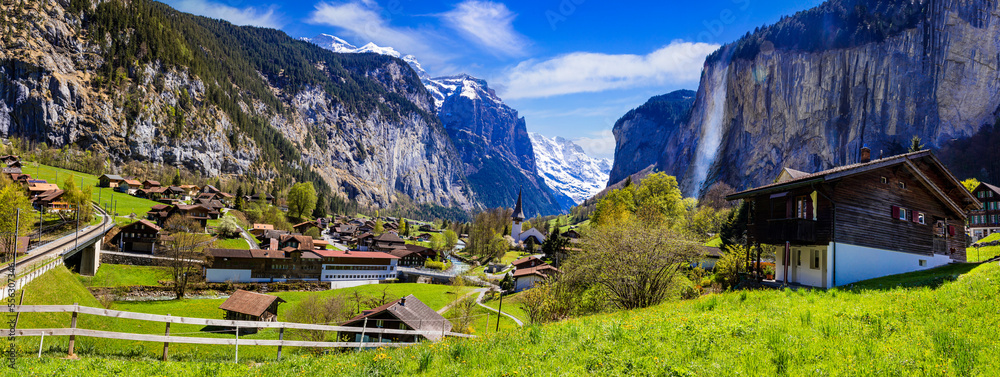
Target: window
x=922, y=263
x=402, y=326
x=885, y=180
x=902, y=185
x=921, y=218
x=802, y=210
x=902, y=214
x=798, y=257
x=814, y=261
x=378, y=323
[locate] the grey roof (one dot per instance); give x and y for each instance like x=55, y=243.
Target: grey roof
x=518, y=211
x=414, y=313
x=113, y=177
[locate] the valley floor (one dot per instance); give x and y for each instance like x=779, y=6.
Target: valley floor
x=946, y=329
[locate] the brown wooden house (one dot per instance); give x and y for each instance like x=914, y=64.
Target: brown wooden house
x=138, y=237
x=250, y=306
x=861, y=221
x=407, y=313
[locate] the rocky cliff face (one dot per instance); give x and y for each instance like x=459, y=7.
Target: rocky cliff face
x=812, y=109
x=494, y=145
x=641, y=135
x=53, y=88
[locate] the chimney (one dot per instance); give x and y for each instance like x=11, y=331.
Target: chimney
x=402, y=301
x=866, y=154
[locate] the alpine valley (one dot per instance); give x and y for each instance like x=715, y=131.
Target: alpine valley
x=181, y=90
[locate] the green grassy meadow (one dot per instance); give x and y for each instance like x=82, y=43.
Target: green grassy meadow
x=120, y=275
x=127, y=204
x=945, y=329
x=511, y=305
x=232, y=243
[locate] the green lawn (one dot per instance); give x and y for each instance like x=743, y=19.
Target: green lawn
x=714, y=242
x=483, y=321
x=119, y=275
x=927, y=278
x=949, y=330
x=511, y=256
x=232, y=243
x=126, y=204
x=981, y=254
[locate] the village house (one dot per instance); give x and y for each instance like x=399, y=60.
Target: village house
x=861, y=221
x=527, y=262
x=250, y=306
x=138, y=237
x=151, y=193
x=160, y=213
x=258, y=229
x=526, y=278
x=305, y=226
x=36, y=188
x=349, y=265
x=150, y=184
x=413, y=255
x=128, y=186
x=387, y=242
x=985, y=221
x=52, y=201
x=262, y=266
x=9, y=159
x=407, y=313
x=11, y=170
x=110, y=180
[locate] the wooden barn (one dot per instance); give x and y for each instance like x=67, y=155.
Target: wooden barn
x=250, y=306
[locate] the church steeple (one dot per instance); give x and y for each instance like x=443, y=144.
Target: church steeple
x=518, y=212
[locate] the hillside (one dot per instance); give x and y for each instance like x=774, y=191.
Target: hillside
x=139, y=81
x=811, y=90
x=936, y=330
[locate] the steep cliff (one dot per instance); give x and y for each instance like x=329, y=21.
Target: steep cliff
x=641, y=135
x=810, y=91
x=568, y=170
x=140, y=81
x=493, y=142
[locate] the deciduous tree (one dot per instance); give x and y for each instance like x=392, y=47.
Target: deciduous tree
x=301, y=199
x=184, y=254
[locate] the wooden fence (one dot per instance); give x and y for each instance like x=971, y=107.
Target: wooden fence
x=166, y=339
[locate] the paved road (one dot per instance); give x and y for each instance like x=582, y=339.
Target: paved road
x=480, y=303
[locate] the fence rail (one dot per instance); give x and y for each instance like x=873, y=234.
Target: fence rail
x=166, y=339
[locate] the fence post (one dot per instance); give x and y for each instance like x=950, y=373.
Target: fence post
x=362, y=340
x=281, y=336
x=237, y=344
x=40, y=343
x=72, y=326
x=166, y=345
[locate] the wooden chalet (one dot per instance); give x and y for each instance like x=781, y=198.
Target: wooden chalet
x=526, y=278
x=109, y=180
x=250, y=306
x=386, y=242
x=150, y=184
x=407, y=313
x=413, y=255
x=305, y=226
x=861, y=221
x=52, y=201
x=527, y=262
x=258, y=229
x=985, y=221
x=129, y=186
x=138, y=237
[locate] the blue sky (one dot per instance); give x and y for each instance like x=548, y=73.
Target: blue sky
x=571, y=67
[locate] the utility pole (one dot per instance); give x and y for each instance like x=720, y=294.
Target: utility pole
x=499, y=309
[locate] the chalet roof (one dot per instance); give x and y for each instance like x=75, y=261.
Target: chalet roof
x=263, y=227
x=403, y=252
x=175, y=189
x=543, y=271
x=525, y=260
x=852, y=169
x=365, y=235
x=151, y=182
x=249, y=303
x=132, y=182
x=147, y=223
x=273, y=233
x=50, y=195
x=389, y=237
x=313, y=223
x=518, y=211
x=230, y=253
x=159, y=207
x=991, y=187
x=271, y=254
x=413, y=313
x=12, y=170
x=354, y=254
x=42, y=187
x=113, y=177
x=155, y=190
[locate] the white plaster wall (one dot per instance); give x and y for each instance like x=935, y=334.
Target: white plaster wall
x=801, y=274
x=218, y=275
x=526, y=282
x=857, y=263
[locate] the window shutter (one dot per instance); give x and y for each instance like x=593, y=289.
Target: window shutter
x=914, y=217
x=895, y=212
x=951, y=230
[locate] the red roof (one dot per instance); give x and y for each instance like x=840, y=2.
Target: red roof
x=354, y=254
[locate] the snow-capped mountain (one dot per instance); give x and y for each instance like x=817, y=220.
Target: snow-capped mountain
x=335, y=44
x=566, y=168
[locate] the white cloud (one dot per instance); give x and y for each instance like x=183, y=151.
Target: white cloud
x=238, y=16
x=581, y=72
x=490, y=25
x=364, y=20
x=600, y=145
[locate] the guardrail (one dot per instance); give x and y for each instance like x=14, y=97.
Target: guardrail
x=166, y=339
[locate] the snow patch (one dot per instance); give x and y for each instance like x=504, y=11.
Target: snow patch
x=566, y=168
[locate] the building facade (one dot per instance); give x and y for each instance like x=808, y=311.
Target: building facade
x=985, y=221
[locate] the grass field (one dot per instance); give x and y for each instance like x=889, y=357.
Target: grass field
x=119, y=275
x=944, y=331
x=511, y=256
x=233, y=243
x=483, y=321
x=126, y=204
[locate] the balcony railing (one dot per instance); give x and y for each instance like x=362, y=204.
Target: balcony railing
x=779, y=231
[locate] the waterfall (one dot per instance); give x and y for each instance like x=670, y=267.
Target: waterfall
x=711, y=128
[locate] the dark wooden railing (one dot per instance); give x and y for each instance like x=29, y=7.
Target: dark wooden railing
x=779, y=231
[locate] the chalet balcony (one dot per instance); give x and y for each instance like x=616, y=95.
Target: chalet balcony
x=779, y=231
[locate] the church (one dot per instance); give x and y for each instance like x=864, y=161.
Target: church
x=515, y=229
